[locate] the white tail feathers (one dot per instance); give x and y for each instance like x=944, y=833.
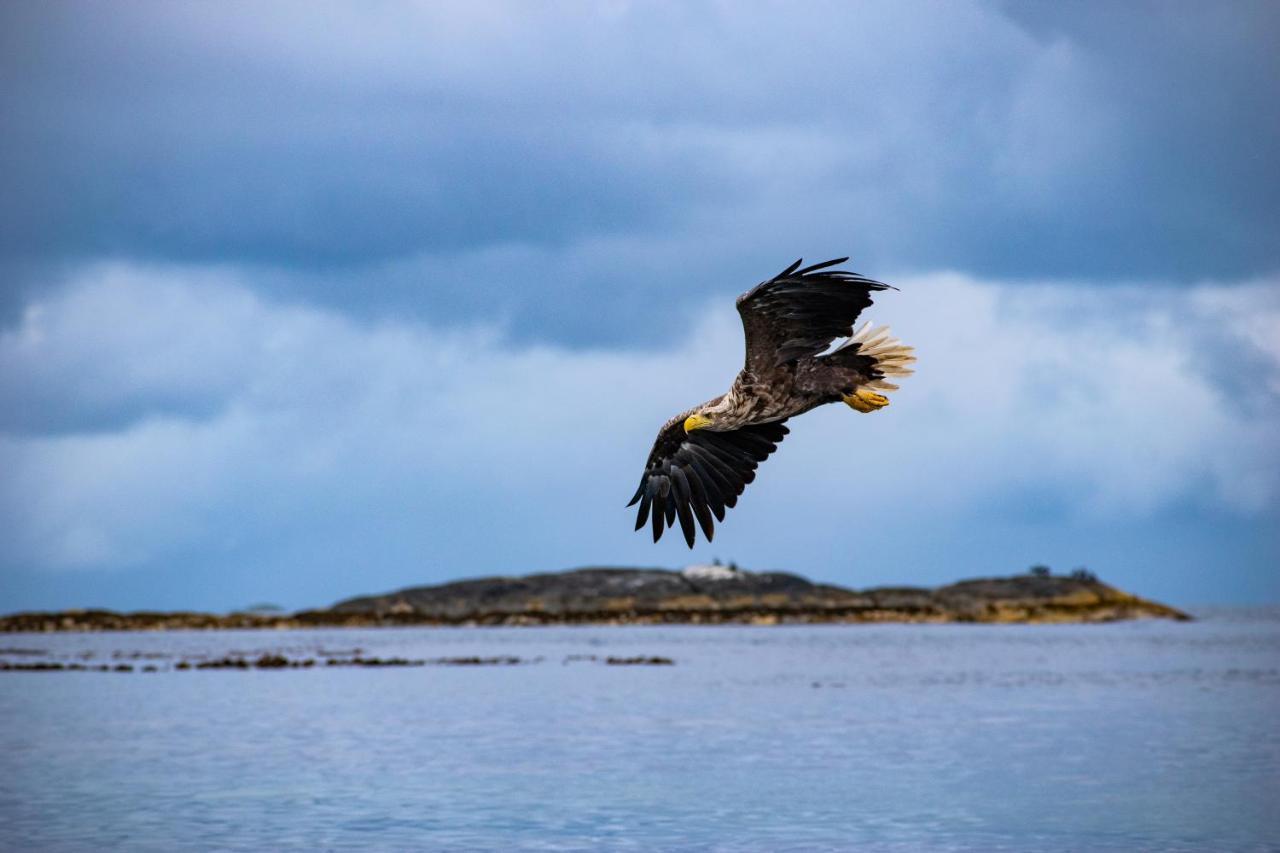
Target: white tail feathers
x=892, y=355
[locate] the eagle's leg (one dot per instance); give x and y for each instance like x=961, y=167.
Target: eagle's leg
x=865, y=401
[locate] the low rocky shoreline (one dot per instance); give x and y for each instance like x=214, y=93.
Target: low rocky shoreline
x=697, y=595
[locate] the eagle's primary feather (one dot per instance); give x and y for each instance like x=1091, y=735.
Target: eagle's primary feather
x=705, y=457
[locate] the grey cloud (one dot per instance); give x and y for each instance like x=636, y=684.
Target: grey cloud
x=144, y=346
x=345, y=147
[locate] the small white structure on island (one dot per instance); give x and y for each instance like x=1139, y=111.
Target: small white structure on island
x=711, y=572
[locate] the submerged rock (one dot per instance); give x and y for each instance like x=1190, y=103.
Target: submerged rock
x=639, y=661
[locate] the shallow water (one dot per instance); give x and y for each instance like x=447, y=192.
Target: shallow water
x=1146, y=735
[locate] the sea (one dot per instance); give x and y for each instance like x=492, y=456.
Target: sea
x=1148, y=735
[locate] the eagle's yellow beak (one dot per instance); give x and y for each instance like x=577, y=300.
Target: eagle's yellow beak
x=695, y=422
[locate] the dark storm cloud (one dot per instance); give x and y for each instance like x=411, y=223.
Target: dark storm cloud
x=1192, y=187
x=381, y=156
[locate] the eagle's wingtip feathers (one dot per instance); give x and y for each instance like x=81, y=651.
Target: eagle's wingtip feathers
x=822, y=266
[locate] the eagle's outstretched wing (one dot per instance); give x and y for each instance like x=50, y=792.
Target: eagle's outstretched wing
x=799, y=312
x=699, y=474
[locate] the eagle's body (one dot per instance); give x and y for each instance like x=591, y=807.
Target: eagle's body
x=704, y=457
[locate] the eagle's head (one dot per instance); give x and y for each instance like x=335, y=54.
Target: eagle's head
x=698, y=420
x=716, y=416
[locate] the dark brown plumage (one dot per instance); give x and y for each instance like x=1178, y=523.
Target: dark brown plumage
x=705, y=457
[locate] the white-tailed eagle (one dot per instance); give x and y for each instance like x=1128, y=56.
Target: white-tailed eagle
x=704, y=457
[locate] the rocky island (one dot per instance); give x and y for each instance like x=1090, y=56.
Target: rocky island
x=710, y=594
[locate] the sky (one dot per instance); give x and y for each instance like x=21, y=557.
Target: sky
x=301, y=301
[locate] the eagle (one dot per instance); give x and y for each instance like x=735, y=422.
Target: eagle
x=704, y=457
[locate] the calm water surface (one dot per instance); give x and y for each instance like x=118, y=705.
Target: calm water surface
x=1148, y=735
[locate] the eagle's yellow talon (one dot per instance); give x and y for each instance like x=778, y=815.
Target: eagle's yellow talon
x=866, y=401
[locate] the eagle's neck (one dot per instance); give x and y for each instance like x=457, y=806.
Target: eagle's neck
x=748, y=401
